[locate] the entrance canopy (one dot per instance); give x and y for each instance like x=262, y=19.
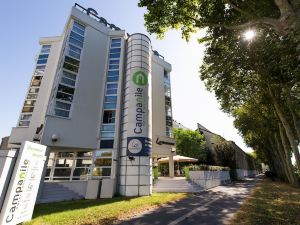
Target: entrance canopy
x=178, y=158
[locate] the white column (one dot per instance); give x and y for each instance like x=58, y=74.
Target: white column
x=136, y=163
x=171, y=165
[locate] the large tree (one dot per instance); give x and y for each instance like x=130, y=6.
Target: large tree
x=190, y=143
x=263, y=74
x=282, y=16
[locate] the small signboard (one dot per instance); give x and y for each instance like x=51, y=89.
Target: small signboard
x=24, y=184
x=138, y=146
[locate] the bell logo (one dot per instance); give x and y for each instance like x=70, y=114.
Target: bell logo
x=140, y=78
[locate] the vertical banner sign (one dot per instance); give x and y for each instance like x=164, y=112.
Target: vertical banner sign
x=24, y=184
x=138, y=141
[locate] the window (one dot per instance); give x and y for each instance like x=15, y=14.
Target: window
x=116, y=40
x=36, y=80
x=32, y=96
x=27, y=109
x=40, y=68
x=44, y=56
x=71, y=64
x=169, y=131
x=62, y=113
x=72, y=61
x=109, y=116
x=74, y=51
x=79, y=27
x=68, y=78
x=76, y=42
x=102, y=163
x=110, y=102
x=113, y=67
x=65, y=89
x=114, y=55
x=103, y=153
x=107, y=134
x=24, y=120
x=29, y=103
x=108, y=127
x=106, y=144
x=168, y=100
x=69, y=166
x=65, y=97
x=65, y=93
x=45, y=49
x=115, y=50
x=101, y=172
x=111, y=89
x=71, y=67
x=62, y=105
x=169, y=121
x=115, y=45
x=33, y=90
x=114, y=62
x=76, y=36
x=168, y=111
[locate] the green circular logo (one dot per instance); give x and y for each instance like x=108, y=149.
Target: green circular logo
x=140, y=78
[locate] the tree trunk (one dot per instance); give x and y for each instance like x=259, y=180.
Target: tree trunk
x=288, y=130
x=297, y=128
x=281, y=168
x=294, y=180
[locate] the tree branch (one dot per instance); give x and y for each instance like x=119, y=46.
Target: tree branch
x=264, y=21
x=235, y=7
x=284, y=7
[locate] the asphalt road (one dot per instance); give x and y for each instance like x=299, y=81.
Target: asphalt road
x=213, y=207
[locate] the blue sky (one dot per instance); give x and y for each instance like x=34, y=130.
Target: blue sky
x=24, y=22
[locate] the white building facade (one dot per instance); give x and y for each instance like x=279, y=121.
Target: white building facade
x=100, y=100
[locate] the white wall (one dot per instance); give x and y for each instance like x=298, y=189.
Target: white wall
x=158, y=106
x=209, y=179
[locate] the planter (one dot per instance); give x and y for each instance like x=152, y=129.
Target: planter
x=209, y=179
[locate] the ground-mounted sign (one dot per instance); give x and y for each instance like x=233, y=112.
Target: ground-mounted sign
x=138, y=141
x=24, y=184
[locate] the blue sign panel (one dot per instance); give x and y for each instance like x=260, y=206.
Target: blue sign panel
x=138, y=146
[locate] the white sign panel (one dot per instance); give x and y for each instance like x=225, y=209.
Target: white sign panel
x=24, y=185
x=138, y=141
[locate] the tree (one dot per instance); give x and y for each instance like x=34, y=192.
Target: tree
x=282, y=16
x=190, y=143
x=258, y=83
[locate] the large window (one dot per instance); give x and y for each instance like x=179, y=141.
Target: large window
x=66, y=88
x=78, y=165
x=35, y=83
x=69, y=166
x=168, y=104
x=102, y=163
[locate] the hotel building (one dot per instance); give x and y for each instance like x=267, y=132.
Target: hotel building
x=100, y=100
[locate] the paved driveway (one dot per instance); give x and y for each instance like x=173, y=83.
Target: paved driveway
x=212, y=207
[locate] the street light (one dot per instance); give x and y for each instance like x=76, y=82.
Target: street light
x=249, y=35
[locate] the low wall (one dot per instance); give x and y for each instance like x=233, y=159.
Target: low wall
x=77, y=186
x=209, y=179
x=241, y=173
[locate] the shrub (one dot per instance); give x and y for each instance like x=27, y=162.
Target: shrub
x=186, y=171
x=207, y=167
x=155, y=173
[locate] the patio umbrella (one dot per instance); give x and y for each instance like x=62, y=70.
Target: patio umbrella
x=178, y=158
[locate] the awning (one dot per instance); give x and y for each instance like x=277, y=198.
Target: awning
x=178, y=158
